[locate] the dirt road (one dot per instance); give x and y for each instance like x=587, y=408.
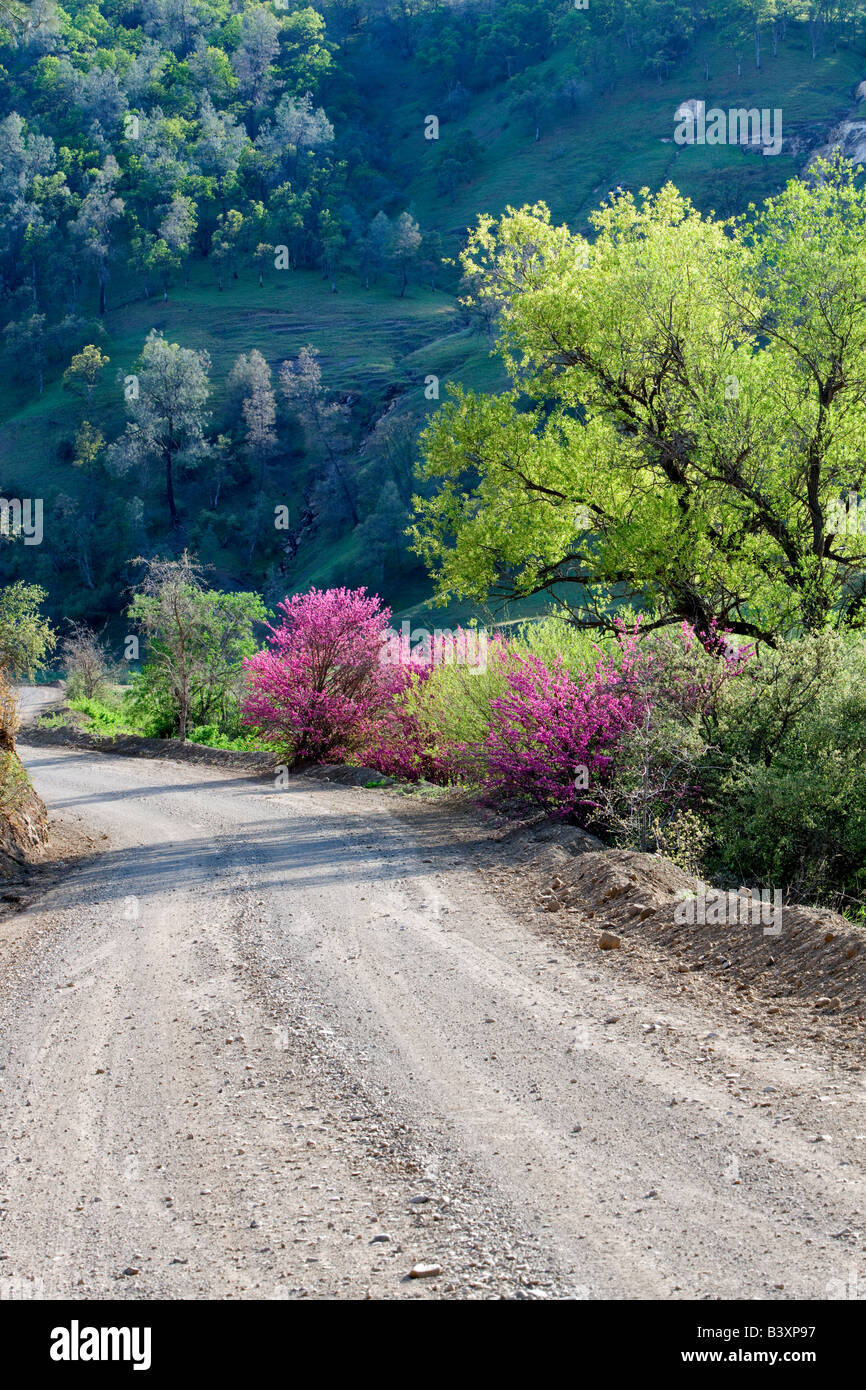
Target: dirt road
x=274, y=1043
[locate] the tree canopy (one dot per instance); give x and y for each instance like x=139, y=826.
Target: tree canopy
x=685, y=413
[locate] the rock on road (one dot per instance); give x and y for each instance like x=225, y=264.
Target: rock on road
x=277, y=1043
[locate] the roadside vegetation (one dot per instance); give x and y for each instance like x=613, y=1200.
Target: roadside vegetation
x=26, y=643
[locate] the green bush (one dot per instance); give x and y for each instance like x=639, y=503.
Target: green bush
x=785, y=789
x=14, y=783
x=556, y=637
x=452, y=708
x=108, y=713
x=215, y=737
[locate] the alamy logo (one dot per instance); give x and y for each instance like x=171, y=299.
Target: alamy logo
x=846, y=516
x=746, y=907
x=852, y=1287
x=466, y=646
x=751, y=128
x=22, y=516
x=77, y=1343
x=21, y=1287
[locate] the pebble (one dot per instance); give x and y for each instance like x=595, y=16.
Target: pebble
x=424, y=1271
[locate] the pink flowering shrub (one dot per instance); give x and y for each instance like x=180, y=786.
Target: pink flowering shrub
x=401, y=746
x=320, y=690
x=556, y=737
x=548, y=725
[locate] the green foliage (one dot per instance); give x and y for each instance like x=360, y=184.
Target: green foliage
x=198, y=639
x=108, y=713
x=14, y=783
x=686, y=410
x=26, y=637
x=558, y=637
x=215, y=737
x=786, y=790
x=452, y=706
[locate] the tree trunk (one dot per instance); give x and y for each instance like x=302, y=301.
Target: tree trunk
x=169, y=489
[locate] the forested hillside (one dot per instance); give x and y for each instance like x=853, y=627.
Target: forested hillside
x=244, y=220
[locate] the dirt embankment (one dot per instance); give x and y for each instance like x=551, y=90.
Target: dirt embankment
x=23, y=818
x=24, y=831
x=135, y=746
x=36, y=849
x=792, y=960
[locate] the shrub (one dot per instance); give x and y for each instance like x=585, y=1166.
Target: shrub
x=786, y=797
x=8, y=713
x=554, y=637
x=617, y=741
x=648, y=801
x=548, y=726
x=320, y=689
x=14, y=783
x=84, y=657
x=441, y=719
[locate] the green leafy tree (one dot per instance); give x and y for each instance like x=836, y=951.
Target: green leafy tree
x=27, y=638
x=26, y=347
x=404, y=247
x=197, y=641
x=168, y=412
x=687, y=410
x=227, y=242
x=94, y=225
x=84, y=371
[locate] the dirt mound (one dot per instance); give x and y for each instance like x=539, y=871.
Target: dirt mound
x=133, y=746
x=621, y=886
x=817, y=959
x=793, y=956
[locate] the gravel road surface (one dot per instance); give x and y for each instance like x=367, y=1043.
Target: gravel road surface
x=285, y=1042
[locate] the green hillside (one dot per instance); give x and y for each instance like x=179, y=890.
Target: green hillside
x=588, y=114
